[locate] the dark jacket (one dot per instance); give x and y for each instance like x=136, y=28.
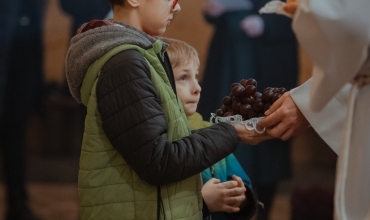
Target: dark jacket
x=179, y=159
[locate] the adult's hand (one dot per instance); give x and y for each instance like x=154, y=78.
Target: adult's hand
x=223, y=197
x=250, y=137
x=213, y=9
x=284, y=119
x=290, y=6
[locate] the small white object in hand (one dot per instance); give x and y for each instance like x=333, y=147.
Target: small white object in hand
x=250, y=124
x=274, y=7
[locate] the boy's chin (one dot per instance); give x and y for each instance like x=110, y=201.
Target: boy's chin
x=157, y=32
x=190, y=108
x=190, y=112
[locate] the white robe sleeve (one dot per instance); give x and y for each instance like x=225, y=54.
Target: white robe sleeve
x=336, y=36
x=328, y=122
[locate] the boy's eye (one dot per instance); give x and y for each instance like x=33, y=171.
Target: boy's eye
x=183, y=77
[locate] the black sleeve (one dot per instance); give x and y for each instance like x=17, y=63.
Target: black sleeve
x=135, y=124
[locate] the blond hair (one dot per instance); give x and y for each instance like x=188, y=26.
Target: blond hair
x=180, y=53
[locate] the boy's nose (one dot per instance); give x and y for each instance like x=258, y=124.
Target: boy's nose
x=196, y=88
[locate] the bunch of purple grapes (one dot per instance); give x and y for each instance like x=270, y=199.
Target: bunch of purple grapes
x=247, y=102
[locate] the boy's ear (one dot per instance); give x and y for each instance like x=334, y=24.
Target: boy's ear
x=133, y=3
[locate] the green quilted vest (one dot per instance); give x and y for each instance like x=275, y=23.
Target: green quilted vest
x=107, y=187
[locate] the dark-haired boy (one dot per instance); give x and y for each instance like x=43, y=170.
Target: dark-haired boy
x=138, y=157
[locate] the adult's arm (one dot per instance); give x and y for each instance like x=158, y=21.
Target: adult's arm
x=328, y=122
x=336, y=36
x=135, y=124
x=292, y=114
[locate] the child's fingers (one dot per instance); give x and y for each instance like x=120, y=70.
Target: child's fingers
x=238, y=180
x=235, y=200
x=230, y=209
x=229, y=184
x=277, y=104
x=232, y=188
x=214, y=181
x=236, y=191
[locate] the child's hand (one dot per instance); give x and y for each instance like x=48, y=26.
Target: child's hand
x=240, y=184
x=250, y=137
x=223, y=197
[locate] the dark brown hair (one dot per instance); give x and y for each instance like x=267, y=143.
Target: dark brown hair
x=116, y=2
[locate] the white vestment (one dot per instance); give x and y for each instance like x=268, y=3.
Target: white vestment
x=336, y=36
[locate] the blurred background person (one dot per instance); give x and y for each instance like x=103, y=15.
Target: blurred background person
x=8, y=16
x=230, y=55
x=82, y=11
x=246, y=45
x=63, y=110
x=21, y=90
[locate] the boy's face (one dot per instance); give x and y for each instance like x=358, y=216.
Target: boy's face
x=187, y=86
x=156, y=15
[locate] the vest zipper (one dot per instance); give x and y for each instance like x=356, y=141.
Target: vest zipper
x=158, y=202
x=168, y=69
x=166, y=63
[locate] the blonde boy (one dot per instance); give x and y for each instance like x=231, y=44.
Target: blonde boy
x=220, y=176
